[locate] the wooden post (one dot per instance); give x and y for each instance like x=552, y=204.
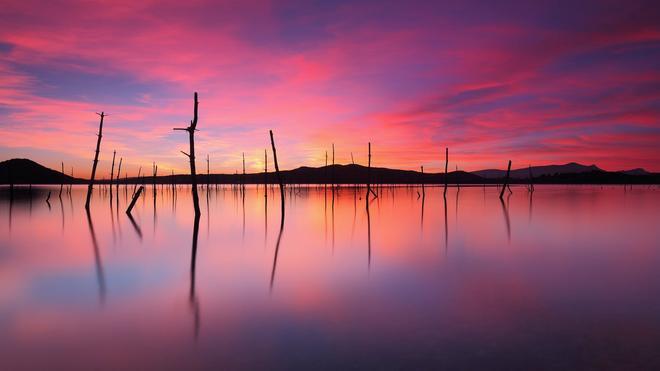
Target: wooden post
x=531, y=179
x=333, y=166
x=208, y=172
x=423, y=190
x=191, y=156
x=62, y=180
x=96, y=160
x=117, y=178
x=506, y=180
x=112, y=171
x=135, y=198
x=153, y=179
x=446, y=164
x=243, y=177
x=265, y=173
x=369, y=190
x=279, y=176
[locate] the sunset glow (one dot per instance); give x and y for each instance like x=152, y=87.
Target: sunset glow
x=541, y=84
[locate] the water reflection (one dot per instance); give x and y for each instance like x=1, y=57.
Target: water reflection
x=98, y=264
x=192, y=297
x=590, y=256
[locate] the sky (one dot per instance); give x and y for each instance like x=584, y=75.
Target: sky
x=537, y=82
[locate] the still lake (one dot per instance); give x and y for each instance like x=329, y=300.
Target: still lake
x=565, y=278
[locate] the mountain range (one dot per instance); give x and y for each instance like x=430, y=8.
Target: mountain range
x=24, y=171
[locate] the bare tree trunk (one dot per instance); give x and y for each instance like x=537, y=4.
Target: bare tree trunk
x=531, y=179
x=62, y=180
x=265, y=173
x=96, y=160
x=423, y=190
x=446, y=164
x=279, y=176
x=506, y=180
x=333, y=166
x=369, y=190
x=117, y=177
x=208, y=172
x=135, y=198
x=193, y=174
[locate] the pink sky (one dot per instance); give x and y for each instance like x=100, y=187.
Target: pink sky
x=537, y=84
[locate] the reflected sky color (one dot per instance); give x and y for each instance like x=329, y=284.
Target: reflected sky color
x=565, y=279
x=539, y=83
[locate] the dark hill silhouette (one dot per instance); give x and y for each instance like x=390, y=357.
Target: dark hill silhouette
x=24, y=171
x=523, y=173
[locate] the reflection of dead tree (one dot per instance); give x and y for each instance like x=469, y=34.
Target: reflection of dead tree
x=96, y=160
x=191, y=156
x=192, y=297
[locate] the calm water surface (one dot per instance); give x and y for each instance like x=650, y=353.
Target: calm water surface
x=566, y=279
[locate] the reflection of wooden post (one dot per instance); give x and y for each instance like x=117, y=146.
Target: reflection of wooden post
x=506, y=180
x=279, y=176
x=191, y=156
x=135, y=198
x=446, y=164
x=96, y=160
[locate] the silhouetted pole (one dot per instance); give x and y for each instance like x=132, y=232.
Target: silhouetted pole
x=369, y=190
x=153, y=178
x=118, y=174
x=193, y=175
x=62, y=180
x=279, y=176
x=96, y=160
x=446, y=164
x=352, y=160
x=265, y=173
x=531, y=179
x=208, y=172
x=423, y=190
x=135, y=198
x=112, y=171
x=458, y=185
x=243, y=178
x=333, y=166
x=506, y=180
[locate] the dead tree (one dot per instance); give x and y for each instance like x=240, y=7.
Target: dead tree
x=506, y=181
x=446, y=164
x=191, y=156
x=135, y=198
x=531, y=179
x=96, y=160
x=279, y=176
x=243, y=176
x=208, y=172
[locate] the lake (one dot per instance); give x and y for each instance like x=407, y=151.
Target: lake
x=565, y=278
